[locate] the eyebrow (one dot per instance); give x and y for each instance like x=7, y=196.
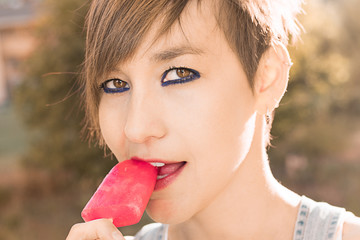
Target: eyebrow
x=175, y=52
x=169, y=54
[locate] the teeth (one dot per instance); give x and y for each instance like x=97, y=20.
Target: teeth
x=157, y=164
x=162, y=176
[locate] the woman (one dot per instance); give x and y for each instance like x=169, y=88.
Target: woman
x=192, y=85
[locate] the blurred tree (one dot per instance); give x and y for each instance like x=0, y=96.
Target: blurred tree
x=319, y=72
x=320, y=111
x=349, y=44
x=50, y=103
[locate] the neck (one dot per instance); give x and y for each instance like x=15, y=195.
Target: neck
x=253, y=206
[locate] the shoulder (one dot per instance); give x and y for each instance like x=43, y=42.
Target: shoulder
x=351, y=227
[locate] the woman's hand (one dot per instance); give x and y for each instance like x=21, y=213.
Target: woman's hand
x=102, y=229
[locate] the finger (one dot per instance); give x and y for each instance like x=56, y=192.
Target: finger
x=102, y=229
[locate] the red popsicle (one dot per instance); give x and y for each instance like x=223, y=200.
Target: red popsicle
x=123, y=194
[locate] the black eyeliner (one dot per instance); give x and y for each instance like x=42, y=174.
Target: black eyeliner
x=195, y=75
x=110, y=90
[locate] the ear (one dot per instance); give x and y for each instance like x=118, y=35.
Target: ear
x=271, y=78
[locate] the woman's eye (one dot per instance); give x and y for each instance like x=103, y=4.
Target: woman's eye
x=178, y=75
x=114, y=86
x=182, y=72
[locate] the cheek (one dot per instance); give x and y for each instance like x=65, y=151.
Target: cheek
x=224, y=123
x=215, y=132
x=226, y=140
x=111, y=126
x=215, y=145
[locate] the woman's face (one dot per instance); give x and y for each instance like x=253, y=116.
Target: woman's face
x=184, y=101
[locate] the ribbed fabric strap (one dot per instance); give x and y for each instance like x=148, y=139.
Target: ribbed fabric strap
x=318, y=221
x=153, y=231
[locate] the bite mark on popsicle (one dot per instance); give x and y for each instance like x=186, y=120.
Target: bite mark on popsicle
x=123, y=194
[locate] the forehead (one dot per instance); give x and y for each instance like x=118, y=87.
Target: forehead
x=195, y=32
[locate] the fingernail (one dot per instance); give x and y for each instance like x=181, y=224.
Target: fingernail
x=117, y=236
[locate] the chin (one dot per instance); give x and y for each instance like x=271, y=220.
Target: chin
x=165, y=212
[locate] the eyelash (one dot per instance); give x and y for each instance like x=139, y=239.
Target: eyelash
x=193, y=76
x=106, y=89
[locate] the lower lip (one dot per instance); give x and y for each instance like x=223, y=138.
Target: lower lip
x=166, y=181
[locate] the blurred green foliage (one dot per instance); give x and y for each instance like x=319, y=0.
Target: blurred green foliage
x=49, y=97
x=317, y=122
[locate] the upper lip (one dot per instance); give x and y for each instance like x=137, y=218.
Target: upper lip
x=154, y=160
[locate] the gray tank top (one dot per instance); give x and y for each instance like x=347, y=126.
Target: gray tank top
x=315, y=221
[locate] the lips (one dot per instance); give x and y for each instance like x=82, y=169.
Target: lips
x=167, y=171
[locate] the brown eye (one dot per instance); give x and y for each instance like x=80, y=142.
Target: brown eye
x=119, y=83
x=182, y=72
x=179, y=75
x=114, y=86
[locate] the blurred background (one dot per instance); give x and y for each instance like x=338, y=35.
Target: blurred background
x=48, y=172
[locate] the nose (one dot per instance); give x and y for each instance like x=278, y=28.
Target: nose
x=144, y=120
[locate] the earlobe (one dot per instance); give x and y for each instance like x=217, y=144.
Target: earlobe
x=272, y=77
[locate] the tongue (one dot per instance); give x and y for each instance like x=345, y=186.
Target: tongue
x=170, y=168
